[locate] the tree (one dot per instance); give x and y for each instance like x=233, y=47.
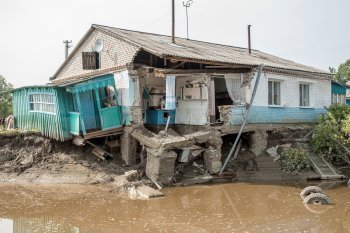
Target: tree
x=5, y=97
x=341, y=75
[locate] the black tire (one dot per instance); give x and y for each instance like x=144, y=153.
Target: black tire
x=310, y=190
x=317, y=198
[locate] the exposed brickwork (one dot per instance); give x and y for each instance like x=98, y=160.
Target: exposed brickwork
x=115, y=53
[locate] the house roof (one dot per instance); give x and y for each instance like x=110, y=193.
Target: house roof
x=161, y=46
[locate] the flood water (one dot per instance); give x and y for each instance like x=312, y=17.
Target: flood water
x=216, y=208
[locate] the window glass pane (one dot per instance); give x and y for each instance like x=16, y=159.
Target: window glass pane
x=277, y=93
x=301, y=94
x=42, y=103
x=306, y=95
x=270, y=93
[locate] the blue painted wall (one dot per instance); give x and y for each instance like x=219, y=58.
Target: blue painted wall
x=261, y=114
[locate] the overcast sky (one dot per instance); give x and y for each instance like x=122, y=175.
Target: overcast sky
x=311, y=32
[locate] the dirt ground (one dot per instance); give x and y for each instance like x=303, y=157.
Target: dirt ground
x=29, y=157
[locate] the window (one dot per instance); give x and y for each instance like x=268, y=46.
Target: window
x=42, y=103
x=304, y=95
x=274, y=93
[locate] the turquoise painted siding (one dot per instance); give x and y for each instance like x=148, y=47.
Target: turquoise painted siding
x=110, y=118
x=49, y=124
x=66, y=105
x=74, y=123
x=338, y=89
x=277, y=115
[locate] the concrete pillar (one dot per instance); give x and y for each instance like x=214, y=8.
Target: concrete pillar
x=212, y=160
x=128, y=146
x=258, y=142
x=160, y=164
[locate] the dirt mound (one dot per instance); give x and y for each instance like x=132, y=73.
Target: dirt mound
x=29, y=156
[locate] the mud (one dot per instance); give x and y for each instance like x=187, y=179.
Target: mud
x=29, y=157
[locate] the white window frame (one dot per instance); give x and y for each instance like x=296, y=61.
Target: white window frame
x=279, y=102
x=42, y=102
x=301, y=95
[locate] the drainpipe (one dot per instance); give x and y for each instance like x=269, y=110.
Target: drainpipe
x=249, y=44
x=173, y=22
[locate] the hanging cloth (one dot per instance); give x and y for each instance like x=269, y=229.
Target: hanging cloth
x=170, y=98
x=233, y=85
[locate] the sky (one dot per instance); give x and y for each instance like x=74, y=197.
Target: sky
x=311, y=32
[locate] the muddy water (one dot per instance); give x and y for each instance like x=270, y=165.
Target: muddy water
x=216, y=208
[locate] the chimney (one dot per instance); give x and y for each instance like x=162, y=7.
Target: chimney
x=249, y=45
x=173, y=21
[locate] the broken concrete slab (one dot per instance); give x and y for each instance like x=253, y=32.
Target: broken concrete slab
x=146, y=137
x=176, y=142
x=160, y=164
x=200, y=136
x=146, y=192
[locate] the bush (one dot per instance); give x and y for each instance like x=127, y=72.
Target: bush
x=333, y=127
x=294, y=160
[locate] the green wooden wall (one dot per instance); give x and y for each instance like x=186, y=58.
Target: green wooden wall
x=51, y=125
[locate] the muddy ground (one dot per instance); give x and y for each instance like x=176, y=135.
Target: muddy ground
x=29, y=157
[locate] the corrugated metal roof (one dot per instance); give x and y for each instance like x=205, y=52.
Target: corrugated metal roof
x=161, y=45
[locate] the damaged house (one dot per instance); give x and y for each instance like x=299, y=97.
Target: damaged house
x=136, y=84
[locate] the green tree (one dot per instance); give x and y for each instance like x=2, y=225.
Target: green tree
x=341, y=75
x=5, y=97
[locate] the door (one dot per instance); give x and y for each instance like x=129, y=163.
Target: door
x=87, y=110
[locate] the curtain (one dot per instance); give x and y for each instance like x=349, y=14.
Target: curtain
x=123, y=87
x=170, y=98
x=234, y=89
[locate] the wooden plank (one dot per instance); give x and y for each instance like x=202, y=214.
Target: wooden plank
x=99, y=148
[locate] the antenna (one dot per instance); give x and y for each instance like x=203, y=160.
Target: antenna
x=66, y=47
x=187, y=5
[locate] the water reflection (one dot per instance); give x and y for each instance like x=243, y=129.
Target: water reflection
x=219, y=208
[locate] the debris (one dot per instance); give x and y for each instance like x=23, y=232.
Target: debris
x=156, y=183
x=131, y=175
x=183, y=157
x=99, y=153
x=272, y=151
x=78, y=141
x=147, y=192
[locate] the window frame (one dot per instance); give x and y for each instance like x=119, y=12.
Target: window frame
x=302, y=93
x=279, y=102
x=41, y=102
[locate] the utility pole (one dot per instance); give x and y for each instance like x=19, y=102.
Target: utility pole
x=187, y=5
x=67, y=46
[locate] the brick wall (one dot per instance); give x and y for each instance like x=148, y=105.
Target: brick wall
x=115, y=53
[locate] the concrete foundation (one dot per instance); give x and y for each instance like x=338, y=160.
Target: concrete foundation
x=160, y=164
x=128, y=146
x=258, y=142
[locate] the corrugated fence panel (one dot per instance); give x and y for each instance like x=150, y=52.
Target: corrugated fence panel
x=49, y=124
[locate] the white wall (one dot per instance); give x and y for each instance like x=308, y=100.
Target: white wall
x=320, y=90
